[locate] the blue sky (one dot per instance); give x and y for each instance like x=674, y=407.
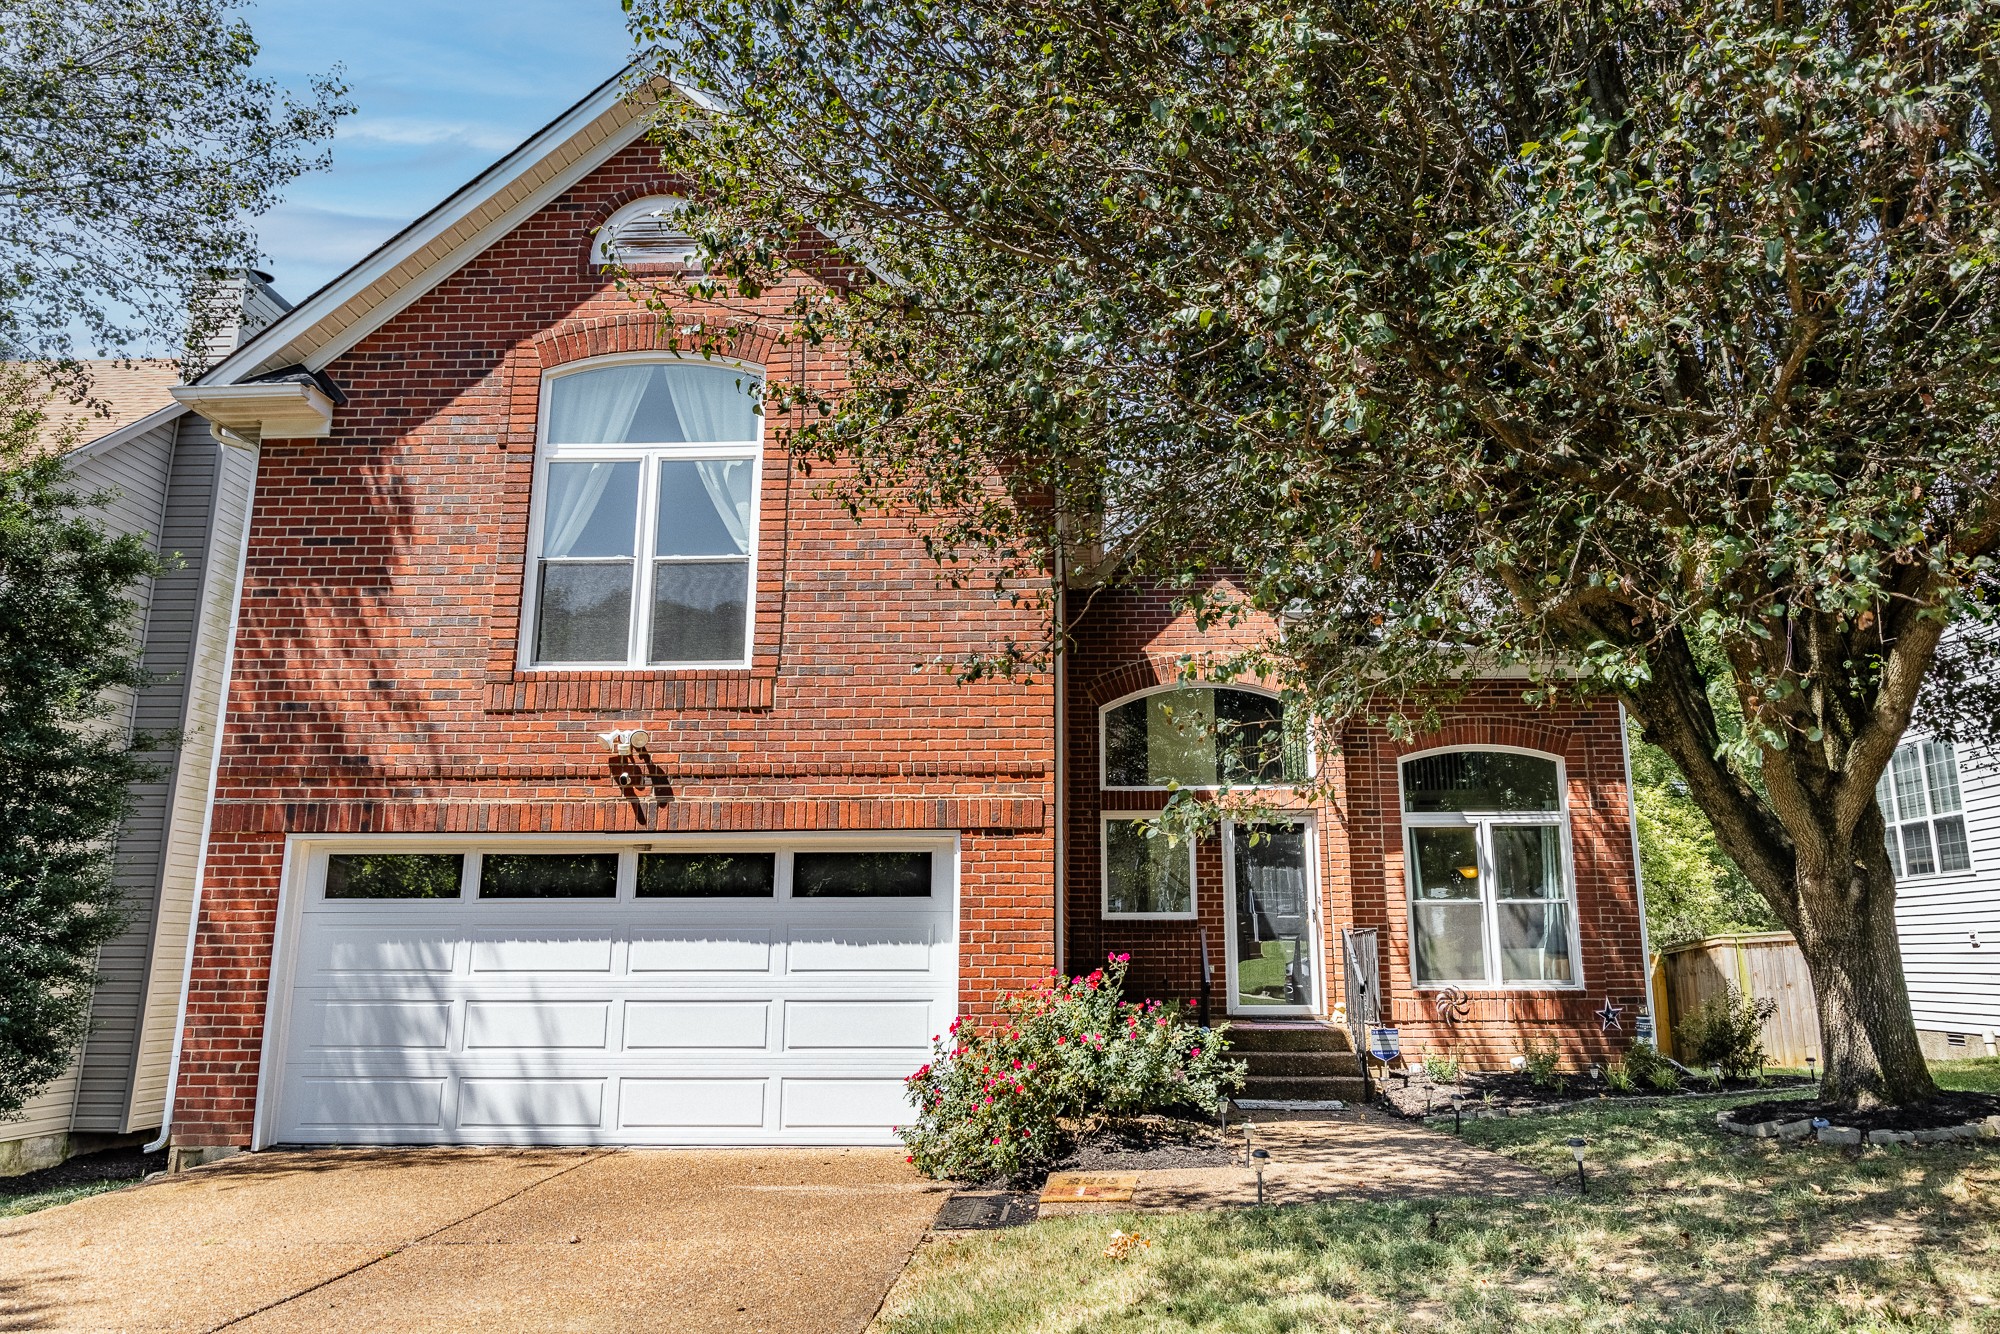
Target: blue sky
x=442, y=88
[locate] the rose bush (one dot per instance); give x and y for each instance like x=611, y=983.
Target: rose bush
x=1072, y=1053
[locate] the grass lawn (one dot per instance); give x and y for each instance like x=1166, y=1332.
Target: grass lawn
x=13, y=1204
x=1683, y=1230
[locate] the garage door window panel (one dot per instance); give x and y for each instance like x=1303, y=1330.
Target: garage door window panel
x=394, y=875
x=646, y=540
x=708, y=875
x=542, y=875
x=861, y=875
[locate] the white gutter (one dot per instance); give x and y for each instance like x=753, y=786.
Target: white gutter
x=208, y=811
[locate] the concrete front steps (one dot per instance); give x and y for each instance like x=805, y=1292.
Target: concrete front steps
x=1301, y=1060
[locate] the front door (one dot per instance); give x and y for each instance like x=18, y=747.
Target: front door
x=1274, y=959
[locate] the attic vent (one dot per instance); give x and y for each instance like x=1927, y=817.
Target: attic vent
x=646, y=233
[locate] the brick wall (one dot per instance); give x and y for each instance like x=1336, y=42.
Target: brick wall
x=1127, y=641
x=375, y=686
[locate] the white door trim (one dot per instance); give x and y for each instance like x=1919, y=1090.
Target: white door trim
x=1317, y=943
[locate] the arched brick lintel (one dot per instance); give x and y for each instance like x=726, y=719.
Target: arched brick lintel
x=1477, y=731
x=1154, y=671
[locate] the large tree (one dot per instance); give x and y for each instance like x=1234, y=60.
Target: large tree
x=136, y=146
x=1648, y=343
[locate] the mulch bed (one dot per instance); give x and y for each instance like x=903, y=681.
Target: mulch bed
x=127, y=1164
x=1508, y=1090
x=1949, y=1109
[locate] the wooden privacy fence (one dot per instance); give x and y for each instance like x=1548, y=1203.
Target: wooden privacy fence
x=1768, y=966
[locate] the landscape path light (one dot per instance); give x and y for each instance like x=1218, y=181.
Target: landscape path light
x=1576, y=1152
x=1260, y=1158
x=1811, y=1072
x=1457, y=1102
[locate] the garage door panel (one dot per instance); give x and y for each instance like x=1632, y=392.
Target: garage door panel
x=845, y=1103
x=697, y=1024
x=692, y=1103
x=860, y=949
x=422, y=1025
x=717, y=950
x=379, y=951
x=537, y=1104
x=536, y=1025
x=517, y=955
x=378, y=1103
x=857, y=1025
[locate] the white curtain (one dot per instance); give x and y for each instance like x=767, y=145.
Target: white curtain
x=597, y=407
x=574, y=490
x=713, y=404
x=727, y=482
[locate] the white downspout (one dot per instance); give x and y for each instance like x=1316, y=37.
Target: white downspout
x=1062, y=751
x=208, y=801
x=1638, y=876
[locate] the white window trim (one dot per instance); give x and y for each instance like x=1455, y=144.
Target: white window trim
x=647, y=456
x=1894, y=828
x=1104, y=782
x=1105, y=819
x=1482, y=824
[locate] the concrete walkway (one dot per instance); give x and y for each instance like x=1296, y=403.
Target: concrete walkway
x=437, y=1239
x=1353, y=1155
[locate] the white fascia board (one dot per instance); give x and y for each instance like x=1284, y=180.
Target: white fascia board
x=265, y=351
x=247, y=413
x=126, y=434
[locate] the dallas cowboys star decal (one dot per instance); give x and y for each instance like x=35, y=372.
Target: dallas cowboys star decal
x=1609, y=1015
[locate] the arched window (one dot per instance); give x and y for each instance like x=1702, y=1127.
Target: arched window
x=644, y=530
x=1201, y=736
x=646, y=233
x=1487, y=854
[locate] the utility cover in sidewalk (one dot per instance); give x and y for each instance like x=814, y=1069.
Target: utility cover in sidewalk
x=1071, y=1187
x=979, y=1212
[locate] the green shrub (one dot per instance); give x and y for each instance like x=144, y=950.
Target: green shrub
x=1619, y=1078
x=1002, y=1101
x=1644, y=1065
x=1728, y=1031
x=1441, y=1069
x=1543, y=1063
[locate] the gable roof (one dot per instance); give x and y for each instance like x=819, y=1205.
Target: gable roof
x=129, y=391
x=442, y=241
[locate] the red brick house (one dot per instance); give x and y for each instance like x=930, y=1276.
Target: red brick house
x=580, y=779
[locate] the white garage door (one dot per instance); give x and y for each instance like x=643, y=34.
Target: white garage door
x=773, y=994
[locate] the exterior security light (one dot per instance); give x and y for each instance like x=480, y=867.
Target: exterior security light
x=626, y=741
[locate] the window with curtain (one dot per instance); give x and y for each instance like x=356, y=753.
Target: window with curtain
x=1486, y=853
x=1923, y=808
x=646, y=492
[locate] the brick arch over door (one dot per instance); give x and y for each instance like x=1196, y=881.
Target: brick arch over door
x=1155, y=672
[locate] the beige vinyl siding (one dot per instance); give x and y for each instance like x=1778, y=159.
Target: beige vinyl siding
x=212, y=614
x=136, y=476
x=1954, y=986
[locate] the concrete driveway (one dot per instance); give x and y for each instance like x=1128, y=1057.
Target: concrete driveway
x=488, y=1239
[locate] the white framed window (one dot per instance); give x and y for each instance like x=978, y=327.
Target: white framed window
x=1145, y=876
x=1199, y=736
x=1924, y=811
x=1487, y=860
x=647, y=233
x=643, y=527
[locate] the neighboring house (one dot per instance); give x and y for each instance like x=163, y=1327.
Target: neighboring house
x=1942, y=805
x=169, y=479
x=588, y=775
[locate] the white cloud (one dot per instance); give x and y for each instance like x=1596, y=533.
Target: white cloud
x=412, y=132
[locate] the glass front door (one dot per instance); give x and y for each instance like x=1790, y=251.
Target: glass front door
x=1274, y=959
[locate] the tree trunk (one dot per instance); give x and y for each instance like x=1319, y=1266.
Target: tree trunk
x=1847, y=934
